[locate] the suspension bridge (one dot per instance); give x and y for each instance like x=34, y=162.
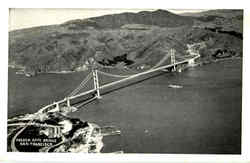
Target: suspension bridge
x=176, y=64
x=95, y=93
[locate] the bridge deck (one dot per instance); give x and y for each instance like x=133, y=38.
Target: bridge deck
x=92, y=91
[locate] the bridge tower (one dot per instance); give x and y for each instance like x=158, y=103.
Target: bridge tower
x=96, y=83
x=57, y=107
x=173, y=60
x=68, y=101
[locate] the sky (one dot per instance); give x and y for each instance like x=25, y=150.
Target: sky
x=31, y=17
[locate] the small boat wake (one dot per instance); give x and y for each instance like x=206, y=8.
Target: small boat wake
x=175, y=86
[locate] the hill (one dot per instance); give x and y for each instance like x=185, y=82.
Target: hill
x=161, y=18
x=226, y=20
x=130, y=39
x=227, y=13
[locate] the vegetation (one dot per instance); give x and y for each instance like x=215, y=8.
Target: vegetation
x=128, y=38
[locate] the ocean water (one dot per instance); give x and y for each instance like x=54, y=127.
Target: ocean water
x=203, y=117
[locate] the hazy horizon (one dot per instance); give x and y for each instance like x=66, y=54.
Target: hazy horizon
x=20, y=18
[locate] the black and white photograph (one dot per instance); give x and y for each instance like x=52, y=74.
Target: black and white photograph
x=117, y=80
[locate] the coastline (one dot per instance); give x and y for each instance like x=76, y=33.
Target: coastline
x=109, y=110
x=20, y=70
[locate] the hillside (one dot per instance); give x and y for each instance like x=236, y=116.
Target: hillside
x=161, y=18
x=219, y=12
x=225, y=20
x=130, y=39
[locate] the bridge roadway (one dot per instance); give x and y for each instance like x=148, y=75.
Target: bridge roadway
x=32, y=124
x=115, y=83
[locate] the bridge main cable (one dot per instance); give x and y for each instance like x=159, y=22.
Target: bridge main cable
x=125, y=76
x=161, y=61
x=81, y=85
x=119, y=81
x=113, y=75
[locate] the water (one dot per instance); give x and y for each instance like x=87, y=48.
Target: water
x=202, y=117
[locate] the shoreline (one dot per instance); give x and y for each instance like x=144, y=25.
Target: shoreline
x=20, y=71
x=114, y=113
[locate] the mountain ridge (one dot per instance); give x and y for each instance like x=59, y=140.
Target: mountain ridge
x=68, y=46
x=161, y=18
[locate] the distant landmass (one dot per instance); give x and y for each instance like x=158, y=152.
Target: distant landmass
x=128, y=39
x=161, y=18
